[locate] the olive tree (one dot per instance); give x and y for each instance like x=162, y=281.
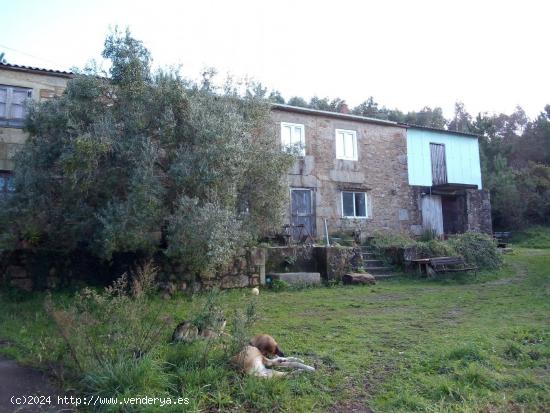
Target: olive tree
x=137, y=160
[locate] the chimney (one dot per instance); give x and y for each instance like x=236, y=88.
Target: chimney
x=343, y=108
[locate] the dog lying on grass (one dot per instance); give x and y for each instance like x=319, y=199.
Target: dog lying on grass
x=254, y=361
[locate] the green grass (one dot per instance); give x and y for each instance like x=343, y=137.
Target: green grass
x=534, y=237
x=452, y=345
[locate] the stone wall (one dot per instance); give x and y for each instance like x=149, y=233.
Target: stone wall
x=380, y=171
x=38, y=270
x=291, y=259
x=29, y=270
x=479, y=211
x=334, y=262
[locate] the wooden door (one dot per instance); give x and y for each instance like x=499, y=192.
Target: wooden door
x=301, y=217
x=432, y=216
x=439, y=164
x=453, y=214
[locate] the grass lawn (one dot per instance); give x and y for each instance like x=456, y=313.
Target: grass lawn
x=453, y=345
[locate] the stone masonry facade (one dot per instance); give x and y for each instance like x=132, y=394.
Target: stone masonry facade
x=43, y=85
x=380, y=172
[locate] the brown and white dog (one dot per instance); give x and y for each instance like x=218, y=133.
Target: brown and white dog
x=254, y=361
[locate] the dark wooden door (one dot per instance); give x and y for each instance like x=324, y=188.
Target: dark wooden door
x=439, y=166
x=453, y=214
x=302, y=219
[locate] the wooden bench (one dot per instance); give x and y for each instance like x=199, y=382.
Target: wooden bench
x=450, y=264
x=502, y=238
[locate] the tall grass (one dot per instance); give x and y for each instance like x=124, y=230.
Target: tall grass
x=118, y=342
x=534, y=237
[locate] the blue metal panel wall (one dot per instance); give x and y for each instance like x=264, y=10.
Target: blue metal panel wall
x=462, y=155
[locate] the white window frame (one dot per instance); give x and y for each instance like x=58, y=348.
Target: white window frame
x=367, y=205
x=301, y=145
x=8, y=120
x=340, y=152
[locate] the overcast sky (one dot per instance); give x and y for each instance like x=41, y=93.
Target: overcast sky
x=492, y=55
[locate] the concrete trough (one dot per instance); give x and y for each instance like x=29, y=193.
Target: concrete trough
x=295, y=278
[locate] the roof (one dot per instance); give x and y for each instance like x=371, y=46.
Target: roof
x=279, y=106
x=348, y=116
x=31, y=69
x=428, y=128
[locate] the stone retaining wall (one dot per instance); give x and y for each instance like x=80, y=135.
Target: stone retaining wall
x=29, y=270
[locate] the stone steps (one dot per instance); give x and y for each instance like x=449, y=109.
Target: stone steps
x=368, y=255
x=373, y=265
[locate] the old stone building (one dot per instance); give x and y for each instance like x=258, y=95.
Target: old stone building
x=354, y=174
x=18, y=84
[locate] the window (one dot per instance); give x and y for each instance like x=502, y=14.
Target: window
x=346, y=144
x=12, y=105
x=7, y=185
x=293, y=138
x=354, y=205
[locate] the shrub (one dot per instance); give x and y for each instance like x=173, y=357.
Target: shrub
x=478, y=249
x=112, y=326
x=383, y=240
x=279, y=285
x=435, y=248
x=136, y=161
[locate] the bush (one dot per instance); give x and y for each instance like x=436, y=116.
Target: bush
x=148, y=162
x=383, y=240
x=112, y=326
x=435, y=248
x=478, y=249
x=279, y=285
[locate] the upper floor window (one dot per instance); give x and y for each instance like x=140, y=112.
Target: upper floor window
x=12, y=105
x=293, y=138
x=346, y=144
x=354, y=205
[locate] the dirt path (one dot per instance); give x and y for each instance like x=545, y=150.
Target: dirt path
x=521, y=273
x=17, y=381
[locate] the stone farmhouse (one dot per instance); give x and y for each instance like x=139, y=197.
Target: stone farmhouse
x=362, y=174
x=351, y=173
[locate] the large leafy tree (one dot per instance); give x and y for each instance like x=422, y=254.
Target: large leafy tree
x=146, y=161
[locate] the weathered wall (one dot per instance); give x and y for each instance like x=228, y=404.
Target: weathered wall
x=478, y=204
x=334, y=262
x=291, y=259
x=381, y=171
x=477, y=208
x=31, y=270
x=461, y=156
x=44, y=86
